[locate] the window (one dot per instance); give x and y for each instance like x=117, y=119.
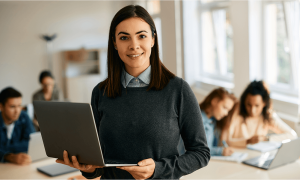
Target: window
x=216, y=42
x=281, y=43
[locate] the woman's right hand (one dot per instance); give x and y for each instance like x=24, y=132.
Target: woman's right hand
x=256, y=139
x=75, y=164
x=227, y=151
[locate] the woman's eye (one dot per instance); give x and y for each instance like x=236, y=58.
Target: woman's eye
x=123, y=38
x=142, y=36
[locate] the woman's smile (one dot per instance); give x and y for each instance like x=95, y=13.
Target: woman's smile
x=134, y=56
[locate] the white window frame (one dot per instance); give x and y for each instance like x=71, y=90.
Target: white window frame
x=203, y=78
x=280, y=90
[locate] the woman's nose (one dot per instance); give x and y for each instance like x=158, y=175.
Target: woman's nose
x=253, y=111
x=134, y=45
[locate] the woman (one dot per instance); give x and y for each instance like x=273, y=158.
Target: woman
x=48, y=92
x=213, y=109
x=141, y=109
x=253, y=117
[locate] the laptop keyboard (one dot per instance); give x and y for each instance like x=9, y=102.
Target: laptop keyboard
x=267, y=163
x=256, y=162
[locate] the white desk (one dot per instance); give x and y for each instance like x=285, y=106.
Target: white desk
x=218, y=169
x=215, y=170
x=13, y=171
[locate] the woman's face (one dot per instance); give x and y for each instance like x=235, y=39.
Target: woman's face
x=48, y=84
x=254, y=105
x=134, y=42
x=220, y=108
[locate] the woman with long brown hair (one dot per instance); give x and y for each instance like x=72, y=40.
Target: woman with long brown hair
x=253, y=118
x=214, y=109
x=142, y=108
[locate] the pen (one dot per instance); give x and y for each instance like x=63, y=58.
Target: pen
x=225, y=144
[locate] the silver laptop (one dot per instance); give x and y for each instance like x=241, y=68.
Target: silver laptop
x=36, y=148
x=288, y=152
x=71, y=126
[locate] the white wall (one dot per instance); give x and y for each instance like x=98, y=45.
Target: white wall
x=23, y=53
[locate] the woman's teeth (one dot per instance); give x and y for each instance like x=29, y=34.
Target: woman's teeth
x=135, y=55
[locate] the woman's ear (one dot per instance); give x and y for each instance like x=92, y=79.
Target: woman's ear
x=153, y=40
x=115, y=44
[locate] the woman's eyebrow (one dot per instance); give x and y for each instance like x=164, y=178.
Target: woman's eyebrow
x=123, y=33
x=135, y=33
x=141, y=32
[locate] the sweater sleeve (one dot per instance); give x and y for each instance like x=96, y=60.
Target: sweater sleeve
x=197, y=153
x=94, y=103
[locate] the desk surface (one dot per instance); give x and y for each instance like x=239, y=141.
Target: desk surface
x=13, y=171
x=216, y=169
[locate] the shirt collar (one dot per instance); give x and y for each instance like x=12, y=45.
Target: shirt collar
x=204, y=116
x=144, y=76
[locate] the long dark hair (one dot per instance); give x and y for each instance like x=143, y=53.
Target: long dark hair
x=160, y=75
x=256, y=88
x=221, y=94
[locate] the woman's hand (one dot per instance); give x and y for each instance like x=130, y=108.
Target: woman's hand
x=75, y=164
x=144, y=171
x=227, y=151
x=255, y=139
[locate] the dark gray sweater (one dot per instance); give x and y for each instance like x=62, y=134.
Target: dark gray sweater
x=143, y=124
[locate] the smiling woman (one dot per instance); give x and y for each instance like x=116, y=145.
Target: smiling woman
x=133, y=43
x=142, y=109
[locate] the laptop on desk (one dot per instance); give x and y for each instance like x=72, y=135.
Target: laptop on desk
x=37, y=152
x=36, y=148
x=288, y=152
x=71, y=126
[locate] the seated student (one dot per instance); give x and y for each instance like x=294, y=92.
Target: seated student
x=213, y=109
x=253, y=117
x=48, y=92
x=15, y=127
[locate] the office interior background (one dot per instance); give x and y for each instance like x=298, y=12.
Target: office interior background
x=206, y=42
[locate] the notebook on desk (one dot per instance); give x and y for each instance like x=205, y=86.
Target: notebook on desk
x=264, y=146
x=235, y=157
x=56, y=169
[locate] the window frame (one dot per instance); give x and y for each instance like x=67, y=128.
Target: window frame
x=290, y=89
x=201, y=76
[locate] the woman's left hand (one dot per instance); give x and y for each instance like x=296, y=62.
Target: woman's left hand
x=144, y=171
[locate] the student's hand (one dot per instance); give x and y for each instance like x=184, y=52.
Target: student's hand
x=227, y=151
x=255, y=139
x=75, y=164
x=20, y=158
x=144, y=171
